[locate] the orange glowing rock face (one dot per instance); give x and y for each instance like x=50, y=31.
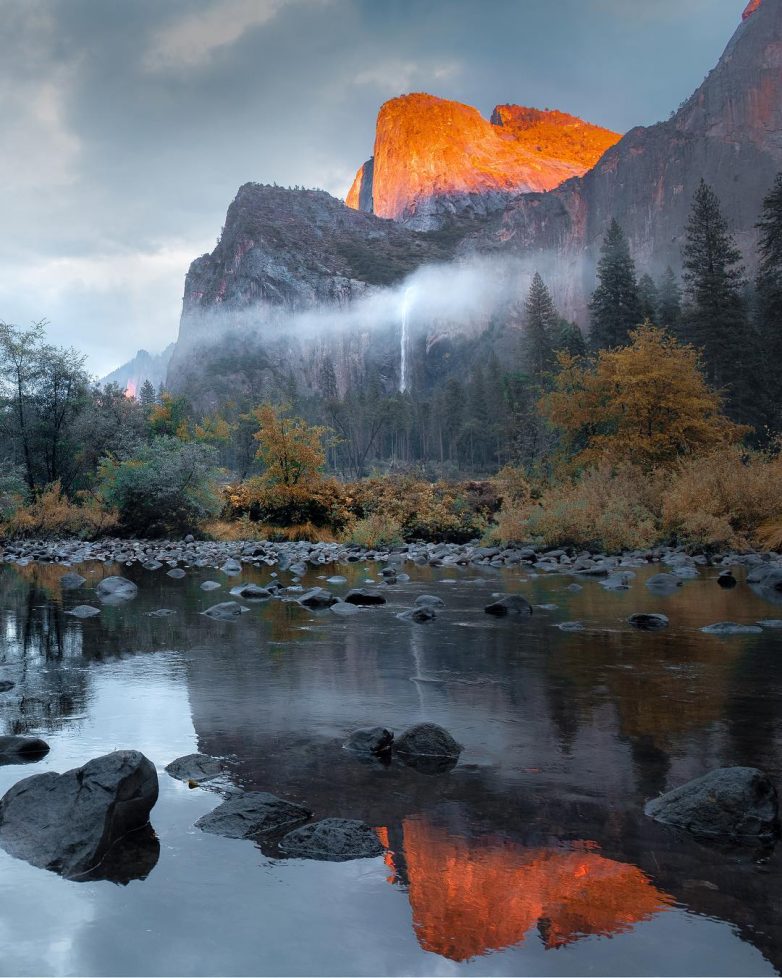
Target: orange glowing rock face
x=750, y=9
x=130, y=390
x=428, y=147
x=469, y=898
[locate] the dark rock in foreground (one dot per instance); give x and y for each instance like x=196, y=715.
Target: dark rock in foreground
x=648, y=622
x=726, y=580
x=195, y=767
x=364, y=596
x=69, y=823
x=509, y=604
x=22, y=750
x=734, y=804
x=370, y=740
x=252, y=813
x=334, y=840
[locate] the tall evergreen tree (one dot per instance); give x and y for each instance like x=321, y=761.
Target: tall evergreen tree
x=669, y=301
x=769, y=279
x=614, y=308
x=542, y=321
x=715, y=317
x=648, y=298
x=147, y=395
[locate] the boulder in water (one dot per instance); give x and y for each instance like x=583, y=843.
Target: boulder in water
x=71, y=581
x=509, y=604
x=427, y=740
x=318, y=597
x=83, y=611
x=252, y=813
x=22, y=750
x=116, y=588
x=664, y=583
x=364, y=596
x=734, y=804
x=225, y=611
x=429, y=601
x=370, y=740
x=648, y=622
x=69, y=823
x=333, y=840
x=195, y=767
x=731, y=628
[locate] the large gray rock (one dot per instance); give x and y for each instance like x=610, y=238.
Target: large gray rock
x=195, y=767
x=68, y=823
x=252, y=813
x=231, y=567
x=334, y=840
x=429, y=601
x=735, y=804
x=318, y=597
x=509, y=604
x=225, y=611
x=664, y=583
x=251, y=592
x=370, y=740
x=116, y=588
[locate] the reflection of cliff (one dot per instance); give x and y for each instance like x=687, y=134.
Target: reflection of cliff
x=473, y=896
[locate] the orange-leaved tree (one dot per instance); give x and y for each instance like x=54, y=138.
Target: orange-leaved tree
x=291, y=450
x=647, y=403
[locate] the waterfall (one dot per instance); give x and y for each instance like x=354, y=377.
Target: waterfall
x=403, y=342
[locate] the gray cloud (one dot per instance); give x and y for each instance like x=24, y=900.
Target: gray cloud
x=128, y=126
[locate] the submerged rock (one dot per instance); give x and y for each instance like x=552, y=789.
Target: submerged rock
x=342, y=610
x=71, y=581
x=195, y=767
x=69, y=823
x=118, y=588
x=429, y=601
x=648, y=622
x=509, y=604
x=252, y=813
x=225, y=611
x=333, y=840
x=83, y=611
x=370, y=740
x=161, y=613
x=571, y=626
x=177, y=573
x=210, y=586
x=731, y=628
x=418, y=615
x=735, y=804
x=364, y=596
x=22, y=750
x=770, y=622
x=664, y=583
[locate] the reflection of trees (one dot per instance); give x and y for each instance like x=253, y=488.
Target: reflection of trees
x=472, y=896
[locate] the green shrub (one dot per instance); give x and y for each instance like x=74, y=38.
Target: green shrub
x=165, y=489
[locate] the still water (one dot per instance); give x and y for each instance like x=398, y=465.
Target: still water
x=530, y=857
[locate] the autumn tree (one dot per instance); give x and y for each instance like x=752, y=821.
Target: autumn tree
x=291, y=450
x=614, y=307
x=170, y=417
x=646, y=403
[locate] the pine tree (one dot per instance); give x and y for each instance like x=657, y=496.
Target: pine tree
x=648, y=298
x=769, y=285
x=614, y=308
x=669, y=304
x=147, y=394
x=541, y=324
x=571, y=339
x=715, y=317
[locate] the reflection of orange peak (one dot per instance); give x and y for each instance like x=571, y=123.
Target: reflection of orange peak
x=427, y=147
x=468, y=898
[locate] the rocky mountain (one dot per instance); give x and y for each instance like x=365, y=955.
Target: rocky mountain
x=288, y=251
x=729, y=132
x=144, y=366
x=435, y=158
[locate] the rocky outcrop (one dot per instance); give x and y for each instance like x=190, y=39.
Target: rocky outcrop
x=436, y=158
x=729, y=132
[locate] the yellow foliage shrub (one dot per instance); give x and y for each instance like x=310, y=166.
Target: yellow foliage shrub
x=730, y=498
x=51, y=514
x=374, y=531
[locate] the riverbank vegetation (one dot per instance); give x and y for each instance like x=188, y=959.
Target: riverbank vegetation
x=665, y=430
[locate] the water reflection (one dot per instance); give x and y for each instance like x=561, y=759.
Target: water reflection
x=472, y=896
x=566, y=735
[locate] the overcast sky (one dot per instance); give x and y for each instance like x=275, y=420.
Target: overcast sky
x=128, y=125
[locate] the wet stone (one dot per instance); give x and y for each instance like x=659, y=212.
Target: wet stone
x=83, y=611
x=195, y=767
x=252, y=813
x=648, y=622
x=225, y=611
x=333, y=840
